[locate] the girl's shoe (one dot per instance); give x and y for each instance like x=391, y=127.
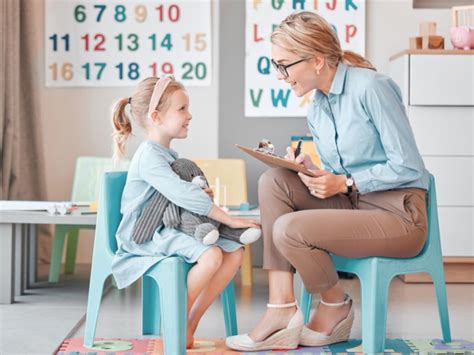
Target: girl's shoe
x=286, y=338
x=340, y=333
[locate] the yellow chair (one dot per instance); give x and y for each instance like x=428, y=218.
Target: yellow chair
x=230, y=175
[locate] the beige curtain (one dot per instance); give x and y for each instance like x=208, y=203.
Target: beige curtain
x=22, y=172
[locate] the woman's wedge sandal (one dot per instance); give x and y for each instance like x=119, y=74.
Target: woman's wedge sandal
x=287, y=338
x=341, y=331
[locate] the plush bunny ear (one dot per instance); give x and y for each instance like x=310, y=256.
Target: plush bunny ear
x=186, y=169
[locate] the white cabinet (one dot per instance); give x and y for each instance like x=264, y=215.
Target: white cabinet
x=438, y=91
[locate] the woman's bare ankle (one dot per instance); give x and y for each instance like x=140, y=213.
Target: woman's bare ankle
x=273, y=320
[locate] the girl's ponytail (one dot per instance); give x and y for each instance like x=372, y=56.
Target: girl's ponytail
x=122, y=127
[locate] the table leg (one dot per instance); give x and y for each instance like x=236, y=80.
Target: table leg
x=7, y=252
x=32, y=254
x=246, y=268
x=18, y=263
x=24, y=255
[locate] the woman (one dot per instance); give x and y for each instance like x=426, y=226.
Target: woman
x=368, y=201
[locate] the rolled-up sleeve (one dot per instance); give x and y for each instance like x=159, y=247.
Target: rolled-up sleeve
x=383, y=103
x=156, y=171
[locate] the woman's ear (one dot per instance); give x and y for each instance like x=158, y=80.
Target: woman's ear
x=318, y=62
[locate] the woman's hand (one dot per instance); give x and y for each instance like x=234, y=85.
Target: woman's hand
x=302, y=158
x=243, y=223
x=325, y=184
x=209, y=192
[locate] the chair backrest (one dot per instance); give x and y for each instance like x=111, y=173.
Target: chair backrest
x=232, y=179
x=109, y=216
x=433, y=241
x=89, y=173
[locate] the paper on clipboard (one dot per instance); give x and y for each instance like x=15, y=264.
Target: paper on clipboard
x=275, y=161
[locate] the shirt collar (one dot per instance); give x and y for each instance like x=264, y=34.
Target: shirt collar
x=337, y=86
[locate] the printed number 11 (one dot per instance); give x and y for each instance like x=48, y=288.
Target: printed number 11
x=65, y=38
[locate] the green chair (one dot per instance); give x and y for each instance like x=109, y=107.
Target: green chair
x=87, y=180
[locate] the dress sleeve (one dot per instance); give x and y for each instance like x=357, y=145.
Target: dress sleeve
x=154, y=168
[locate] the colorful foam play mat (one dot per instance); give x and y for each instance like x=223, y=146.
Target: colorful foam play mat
x=217, y=347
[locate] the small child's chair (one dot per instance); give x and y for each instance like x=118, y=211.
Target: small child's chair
x=232, y=174
x=87, y=178
x=164, y=292
x=376, y=273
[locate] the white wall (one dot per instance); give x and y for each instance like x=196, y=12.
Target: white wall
x=76, y=121
x=390, y=24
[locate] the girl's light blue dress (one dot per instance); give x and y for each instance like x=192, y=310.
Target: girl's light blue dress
x=149, y=170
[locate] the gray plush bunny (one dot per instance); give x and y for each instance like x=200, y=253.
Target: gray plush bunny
x=161, y=210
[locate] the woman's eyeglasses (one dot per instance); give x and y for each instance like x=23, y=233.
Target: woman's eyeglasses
x=283, y=69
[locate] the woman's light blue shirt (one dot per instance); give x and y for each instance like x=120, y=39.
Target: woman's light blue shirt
x=361, y=128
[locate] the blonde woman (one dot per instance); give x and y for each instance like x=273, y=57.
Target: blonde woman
x=369, y=200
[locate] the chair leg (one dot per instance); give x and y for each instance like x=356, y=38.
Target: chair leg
x=151, y=314
x=440, y=289
x=228, y=305
x=60, y=232
x=374, y=298
x=71, y=251
x=306, y=302
x=173, y=300
x=246, y=268
x=96, y=288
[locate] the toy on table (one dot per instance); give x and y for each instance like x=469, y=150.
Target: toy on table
x=428, y=39
x=462, y=32
x=162, y=211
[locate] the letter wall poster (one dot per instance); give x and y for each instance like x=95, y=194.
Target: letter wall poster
x=265, y=96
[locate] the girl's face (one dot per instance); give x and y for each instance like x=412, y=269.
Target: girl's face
x=301, y=76
x=175, y=121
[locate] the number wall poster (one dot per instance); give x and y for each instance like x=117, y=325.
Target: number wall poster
x=265, y=96
x=118, y=43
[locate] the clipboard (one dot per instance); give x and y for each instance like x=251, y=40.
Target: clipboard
x=275, y=161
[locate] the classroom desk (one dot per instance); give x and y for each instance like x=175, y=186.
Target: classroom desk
x=18, y=246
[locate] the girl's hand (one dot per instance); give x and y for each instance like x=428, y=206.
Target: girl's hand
x=302, y=158
x=325, y=184
x=209, y=192
x=243, y=223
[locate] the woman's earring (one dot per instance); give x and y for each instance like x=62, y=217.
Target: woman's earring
x=317, y=71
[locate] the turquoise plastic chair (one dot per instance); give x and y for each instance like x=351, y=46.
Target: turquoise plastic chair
x=376, y=273
x=164, y=293
x=87, y=177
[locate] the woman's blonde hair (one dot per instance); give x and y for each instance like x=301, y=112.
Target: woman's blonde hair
x=139, y=102
x=307, y=34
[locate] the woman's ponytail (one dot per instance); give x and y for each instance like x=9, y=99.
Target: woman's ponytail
x=356, y=60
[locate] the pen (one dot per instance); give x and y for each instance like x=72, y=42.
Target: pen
x=88, y=212
x=298, y=148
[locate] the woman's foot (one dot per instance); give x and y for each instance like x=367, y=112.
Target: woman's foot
x=326, y=318
x=332, y=323
x=273, y=320
x=279, y=328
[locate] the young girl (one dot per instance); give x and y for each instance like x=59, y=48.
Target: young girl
x=161, y=108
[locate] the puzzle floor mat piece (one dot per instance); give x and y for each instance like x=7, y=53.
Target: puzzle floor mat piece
x=217, y=347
